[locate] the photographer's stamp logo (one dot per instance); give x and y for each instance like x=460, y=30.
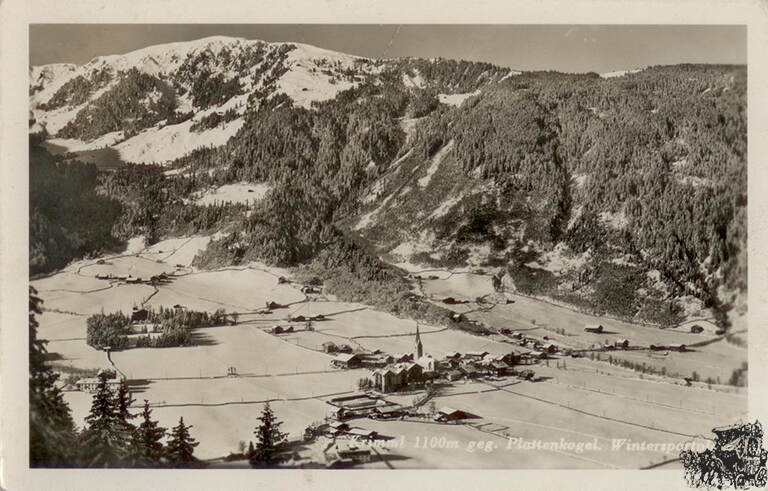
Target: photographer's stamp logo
x=737, y=459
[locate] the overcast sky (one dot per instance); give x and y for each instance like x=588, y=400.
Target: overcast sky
x=563, y=48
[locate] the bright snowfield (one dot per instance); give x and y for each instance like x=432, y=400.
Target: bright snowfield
x=242, y=192
x=305, y=82
x=584, y=401
x=620, y=73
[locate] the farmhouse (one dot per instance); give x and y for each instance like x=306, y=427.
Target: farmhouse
x=526, y=374
x=329, y=347
x=346, y=360
x=469, y=371
x=337, y=428
x=347, y=452
x=551, y=348
x=273, y=305
x=385, y=380
x=475, y=355
x=452, y=375
x=497, y=368
x=388, y=412
x=402, y=357
x=622, y=344
x=375, y=359
x=91, y=384
x=445, y=414
x=427, y=363
x=139, y=314
x=363, y=434
x=595, y=328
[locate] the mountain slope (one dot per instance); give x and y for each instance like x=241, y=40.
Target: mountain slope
x=169, y=90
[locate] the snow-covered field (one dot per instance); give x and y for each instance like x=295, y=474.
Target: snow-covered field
x=242, y=192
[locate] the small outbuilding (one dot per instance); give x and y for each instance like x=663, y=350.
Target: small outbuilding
x=329, y=347
x=346, y=360
x=446, y=414
x=622, y=344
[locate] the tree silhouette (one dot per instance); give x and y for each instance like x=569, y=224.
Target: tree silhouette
x=181, y=446
x=146, y=447
x=103, y=442
x=269, y=440
x=52, y=434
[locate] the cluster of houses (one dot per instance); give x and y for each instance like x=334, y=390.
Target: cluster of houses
x=669, y=347
x=540, y=349
x=134, y=280
x=392, y=373
x=331, y=347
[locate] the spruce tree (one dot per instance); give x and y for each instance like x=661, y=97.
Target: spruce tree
x=52, y=434
x=146, y=448
x=103, y=440
x=123, y=401
x=181, y=446
x=269, y=440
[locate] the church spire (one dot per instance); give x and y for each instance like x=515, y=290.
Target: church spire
x=419, y=348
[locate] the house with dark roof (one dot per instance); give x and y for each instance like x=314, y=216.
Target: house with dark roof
x=346, y=360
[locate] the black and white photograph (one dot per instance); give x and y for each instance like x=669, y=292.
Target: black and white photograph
x=389, y=246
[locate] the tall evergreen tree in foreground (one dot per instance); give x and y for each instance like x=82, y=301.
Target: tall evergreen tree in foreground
x=146, y=448
x=269, y=440
x=103, y=441
x=123, y=401
x=181, y=446
x=52, y=434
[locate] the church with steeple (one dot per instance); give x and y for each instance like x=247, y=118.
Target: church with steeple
x=419, y=348
x=426, y=362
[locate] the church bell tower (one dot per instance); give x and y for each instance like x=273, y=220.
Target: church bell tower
x=419, y=348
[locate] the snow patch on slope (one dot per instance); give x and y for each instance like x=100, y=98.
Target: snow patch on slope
x=242, y=192
x=72, y=145
x=305, y=82
x=424, y=181
x=169, y=143
x=456, y=99
x=620, y=73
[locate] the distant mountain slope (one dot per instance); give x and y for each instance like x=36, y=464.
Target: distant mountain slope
x=144, y=104
x=624, y=194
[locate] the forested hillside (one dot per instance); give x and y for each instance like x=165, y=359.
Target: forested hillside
x=624, y=195
x=68, y=219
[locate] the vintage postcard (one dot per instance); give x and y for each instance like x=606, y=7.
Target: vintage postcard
x=264, y=249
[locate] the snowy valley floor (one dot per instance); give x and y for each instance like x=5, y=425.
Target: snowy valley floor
x=587, y=401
